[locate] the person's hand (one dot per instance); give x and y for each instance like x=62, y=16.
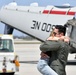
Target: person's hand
x=62, y=38
x=65, y=39
x=43, y=55
x=53, y=38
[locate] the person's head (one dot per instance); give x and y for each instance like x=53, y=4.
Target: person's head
x=59, y=31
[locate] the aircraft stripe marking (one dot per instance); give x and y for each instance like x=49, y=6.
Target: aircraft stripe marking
x=71, y=13
x=46, y=11
x=58, y=12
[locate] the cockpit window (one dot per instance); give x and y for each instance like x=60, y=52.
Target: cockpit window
x=6, y=45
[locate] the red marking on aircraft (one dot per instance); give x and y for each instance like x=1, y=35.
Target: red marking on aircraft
x=59, y=12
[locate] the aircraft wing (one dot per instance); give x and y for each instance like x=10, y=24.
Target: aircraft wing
x=35, y=20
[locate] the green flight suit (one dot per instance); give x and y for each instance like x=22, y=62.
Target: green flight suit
x=59, y=54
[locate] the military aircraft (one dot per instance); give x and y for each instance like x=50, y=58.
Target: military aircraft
x=38, y=21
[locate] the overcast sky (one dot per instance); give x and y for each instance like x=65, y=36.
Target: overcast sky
x=40, y=3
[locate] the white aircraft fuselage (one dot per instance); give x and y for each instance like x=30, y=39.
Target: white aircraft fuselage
x=35, y=20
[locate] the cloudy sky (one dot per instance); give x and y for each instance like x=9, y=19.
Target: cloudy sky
x=28, y=2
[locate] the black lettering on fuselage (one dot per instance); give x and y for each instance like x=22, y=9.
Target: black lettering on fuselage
x=48, y=27
x=42, y=26
x=36, y=25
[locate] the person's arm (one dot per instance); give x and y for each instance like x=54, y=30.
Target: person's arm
x=72, y=44
x=49, y=45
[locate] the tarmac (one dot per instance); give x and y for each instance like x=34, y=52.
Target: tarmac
x=29, y=54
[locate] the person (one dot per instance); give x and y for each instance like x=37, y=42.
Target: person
x=16, y=62
x=57, y=49
x=43, y=64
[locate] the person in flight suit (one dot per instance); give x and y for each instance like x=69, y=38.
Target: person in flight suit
x=57, y=49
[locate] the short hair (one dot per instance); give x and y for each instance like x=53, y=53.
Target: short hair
x=61, y=29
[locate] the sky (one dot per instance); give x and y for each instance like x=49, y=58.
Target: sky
x=27, y=3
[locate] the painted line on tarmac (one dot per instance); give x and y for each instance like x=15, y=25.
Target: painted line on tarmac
x=70, y=62
x=29, y=62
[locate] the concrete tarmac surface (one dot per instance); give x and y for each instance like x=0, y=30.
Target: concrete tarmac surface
x=29, y=55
